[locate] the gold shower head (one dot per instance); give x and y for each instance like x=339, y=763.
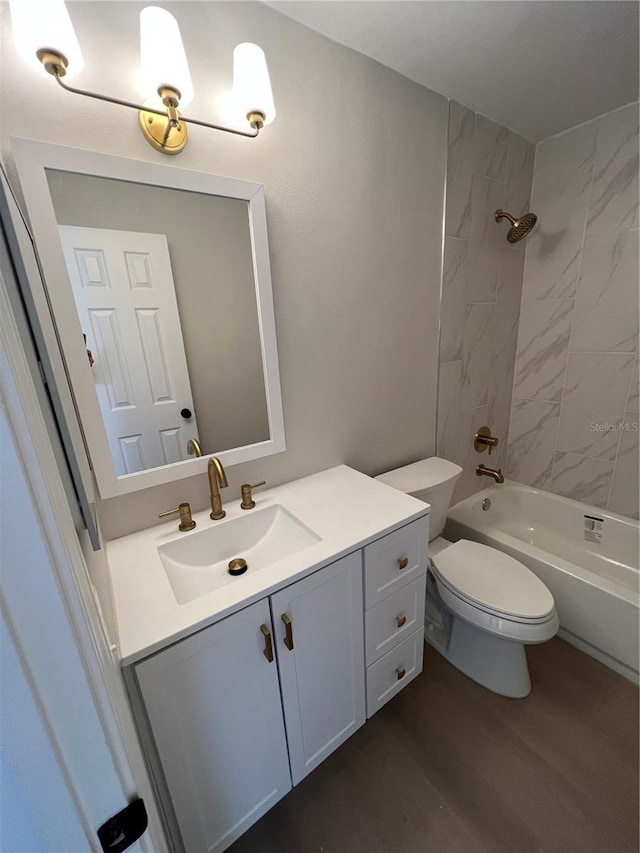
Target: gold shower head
x=519, y=227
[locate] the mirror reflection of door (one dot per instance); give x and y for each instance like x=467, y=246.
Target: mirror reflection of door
x=125, y=295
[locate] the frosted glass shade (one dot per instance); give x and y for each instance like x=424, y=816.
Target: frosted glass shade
x=251, y=83
x=44, y=23
x=163, y=60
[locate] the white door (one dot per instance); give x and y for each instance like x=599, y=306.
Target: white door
x=125, y=295
x=59, y=774
x=213, y=702
x=321, y=661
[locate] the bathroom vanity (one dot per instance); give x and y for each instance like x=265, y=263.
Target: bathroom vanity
x=241, y=686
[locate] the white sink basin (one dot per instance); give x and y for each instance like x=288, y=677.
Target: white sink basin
x=198, y=564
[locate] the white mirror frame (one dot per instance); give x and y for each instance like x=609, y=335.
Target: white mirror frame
x=32, y=159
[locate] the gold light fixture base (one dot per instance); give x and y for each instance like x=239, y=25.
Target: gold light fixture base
x=154, y=128
x=54, y=62
x=256, y=120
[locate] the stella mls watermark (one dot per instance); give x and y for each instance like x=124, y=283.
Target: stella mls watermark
x=618, y=426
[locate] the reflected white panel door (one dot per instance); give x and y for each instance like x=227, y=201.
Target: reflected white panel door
x=125, y=295
x=321, y=661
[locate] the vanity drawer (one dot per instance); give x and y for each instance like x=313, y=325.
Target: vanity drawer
x=394, y=671
x=395, y=560
x=389, y=622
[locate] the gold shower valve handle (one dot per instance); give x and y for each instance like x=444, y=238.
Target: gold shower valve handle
x=483, y=440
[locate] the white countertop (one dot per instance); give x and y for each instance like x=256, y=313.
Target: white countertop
x=344, y=507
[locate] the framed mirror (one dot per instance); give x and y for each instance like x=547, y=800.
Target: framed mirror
x=159, y=285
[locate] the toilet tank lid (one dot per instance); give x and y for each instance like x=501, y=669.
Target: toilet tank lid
x=422, y=475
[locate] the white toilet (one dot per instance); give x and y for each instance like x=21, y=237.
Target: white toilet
x=483, y=606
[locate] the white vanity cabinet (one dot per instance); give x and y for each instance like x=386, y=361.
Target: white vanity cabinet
x=240, y=693
x=217, y=713
x=214, y=710
x=395, y=569
x=321, y=661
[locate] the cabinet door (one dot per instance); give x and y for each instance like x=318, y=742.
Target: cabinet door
x=321, y=661
x=213, y=702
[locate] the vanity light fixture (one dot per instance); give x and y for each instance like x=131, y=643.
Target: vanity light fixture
x=43, y=32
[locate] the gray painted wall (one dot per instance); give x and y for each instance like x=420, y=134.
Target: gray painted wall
x=574, y=423
x=210, y=250
x=488, y=167
x=354, y=172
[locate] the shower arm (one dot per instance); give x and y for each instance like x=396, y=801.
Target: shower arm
x=502, y=214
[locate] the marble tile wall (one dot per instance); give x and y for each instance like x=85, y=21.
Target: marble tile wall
x=575, y=414
x=488, y=167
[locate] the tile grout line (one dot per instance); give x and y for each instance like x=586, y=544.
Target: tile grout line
x=444, y=240
x=522, y=299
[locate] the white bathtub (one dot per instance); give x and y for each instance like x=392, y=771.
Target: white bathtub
x=595, y=584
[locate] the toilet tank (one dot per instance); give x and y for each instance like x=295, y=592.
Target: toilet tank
x=430, y=480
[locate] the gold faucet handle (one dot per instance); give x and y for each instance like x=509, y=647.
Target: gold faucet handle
x=186, y=521
x=247, y=498
x=484, y=439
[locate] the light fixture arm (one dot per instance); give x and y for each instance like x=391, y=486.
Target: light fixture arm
x=55, y=63
x=159, y=112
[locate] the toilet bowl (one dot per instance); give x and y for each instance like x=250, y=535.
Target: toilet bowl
x=483, y=606
x=499, y=606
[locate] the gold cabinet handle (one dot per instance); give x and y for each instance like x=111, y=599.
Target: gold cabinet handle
x=268, y=643
x=403, y=562
x=288, y=624
x=401, y=672
x=400, y=621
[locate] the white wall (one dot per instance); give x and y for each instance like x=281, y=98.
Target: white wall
x=575, y=416
x=354, y=170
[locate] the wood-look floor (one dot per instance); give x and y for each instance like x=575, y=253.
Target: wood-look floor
x=448, y=767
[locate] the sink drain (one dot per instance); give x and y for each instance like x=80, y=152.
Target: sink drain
x=238, y=566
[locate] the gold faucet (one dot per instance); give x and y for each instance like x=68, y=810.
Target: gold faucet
x=193, y=447
x=217, y=481
x=498, y=476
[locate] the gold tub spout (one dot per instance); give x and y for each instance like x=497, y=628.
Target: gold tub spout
x=482, y=470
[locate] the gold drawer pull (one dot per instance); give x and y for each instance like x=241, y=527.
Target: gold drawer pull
x=401, y=672
x=400, y=621
x=268, y=643
x=403, y=562
x=288, y=640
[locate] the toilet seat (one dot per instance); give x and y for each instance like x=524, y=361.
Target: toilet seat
x=493, y=582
